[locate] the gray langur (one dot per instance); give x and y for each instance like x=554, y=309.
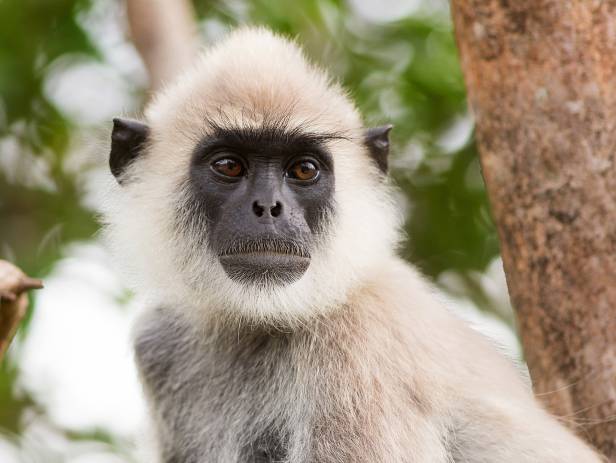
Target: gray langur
x=253, y=213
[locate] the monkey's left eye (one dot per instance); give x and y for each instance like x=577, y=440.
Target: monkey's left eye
x=228, y=167
x=304, y=170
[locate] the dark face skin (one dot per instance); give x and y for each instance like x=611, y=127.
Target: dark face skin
x=265, y=194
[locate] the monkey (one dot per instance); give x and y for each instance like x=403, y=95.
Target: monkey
x=253, y=213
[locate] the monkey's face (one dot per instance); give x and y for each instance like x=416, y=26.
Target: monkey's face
x=265, y=194
x=251, y=188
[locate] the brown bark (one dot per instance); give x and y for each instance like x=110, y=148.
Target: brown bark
x=164, y=32
x=13, y=301
x=541, y=80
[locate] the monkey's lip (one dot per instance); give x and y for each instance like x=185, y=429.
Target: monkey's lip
x=265, y=254
x=264, y=267
x=265, y=248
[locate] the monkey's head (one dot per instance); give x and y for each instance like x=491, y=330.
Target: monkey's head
x=252, y=187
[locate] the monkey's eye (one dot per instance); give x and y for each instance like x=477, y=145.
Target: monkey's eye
x=304, y=170
x=228, y=167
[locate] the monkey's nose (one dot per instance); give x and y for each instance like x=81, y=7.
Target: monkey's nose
x=273, y=210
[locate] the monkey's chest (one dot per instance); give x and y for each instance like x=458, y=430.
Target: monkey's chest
x=257, y=398
x=223, y=401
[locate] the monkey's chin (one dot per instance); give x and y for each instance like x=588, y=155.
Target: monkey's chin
x=265, y=268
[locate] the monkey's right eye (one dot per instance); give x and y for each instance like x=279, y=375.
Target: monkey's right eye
x=228, y=167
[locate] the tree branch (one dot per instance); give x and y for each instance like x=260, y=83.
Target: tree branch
x=13, y=301
x=164, y=32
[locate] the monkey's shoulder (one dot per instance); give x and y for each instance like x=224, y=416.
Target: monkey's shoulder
x=212, y=382
x=172, y=351
x=164, y=346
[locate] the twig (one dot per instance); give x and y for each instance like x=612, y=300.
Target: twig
x=13, y=301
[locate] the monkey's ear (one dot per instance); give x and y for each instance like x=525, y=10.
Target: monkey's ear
x=377, y=141
x=127, y=140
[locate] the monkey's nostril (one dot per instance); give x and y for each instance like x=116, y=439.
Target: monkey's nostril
x=257, y=209
x=276, y=210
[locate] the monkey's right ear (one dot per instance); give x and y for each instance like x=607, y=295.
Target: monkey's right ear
x=127, y=140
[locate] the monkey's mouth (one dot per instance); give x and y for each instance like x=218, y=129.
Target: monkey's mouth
x=265, y=262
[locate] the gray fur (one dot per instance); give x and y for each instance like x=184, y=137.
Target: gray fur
x=251, y=394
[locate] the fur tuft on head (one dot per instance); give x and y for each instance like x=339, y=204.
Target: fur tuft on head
x=251, y=80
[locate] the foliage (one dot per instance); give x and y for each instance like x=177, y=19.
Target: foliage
x=403, y=71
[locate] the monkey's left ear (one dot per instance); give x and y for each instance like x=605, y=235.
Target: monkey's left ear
x=377, y=141
x=127, y=140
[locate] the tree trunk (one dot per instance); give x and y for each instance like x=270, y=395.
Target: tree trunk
x=541, y=80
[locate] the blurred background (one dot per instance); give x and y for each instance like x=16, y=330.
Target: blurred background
x=68, y=388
